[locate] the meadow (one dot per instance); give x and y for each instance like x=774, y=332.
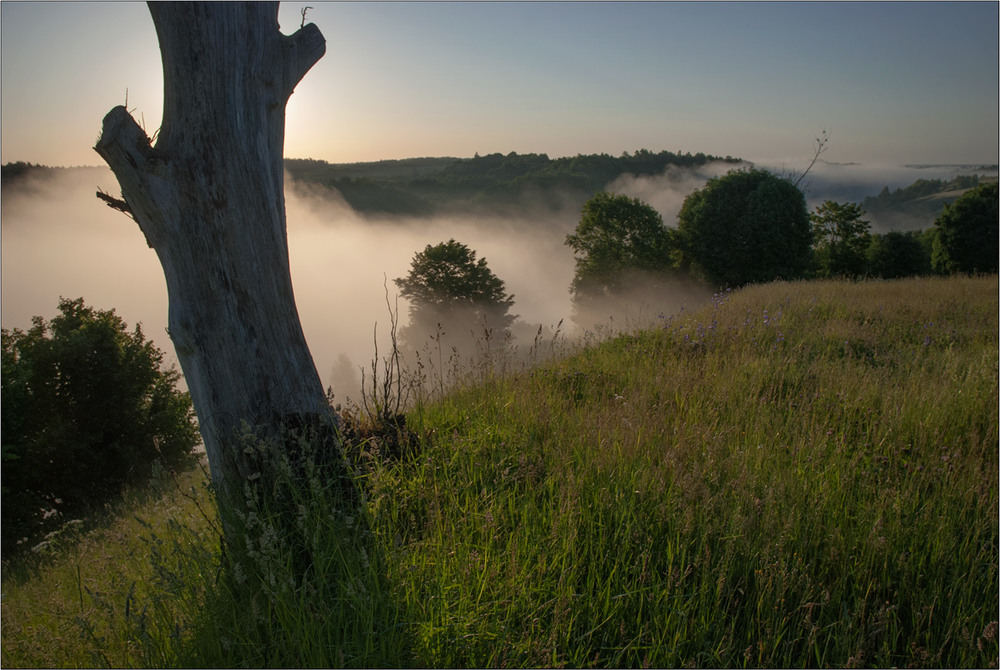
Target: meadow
x=800, y=474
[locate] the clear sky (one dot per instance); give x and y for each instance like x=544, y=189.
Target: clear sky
x=893, y=83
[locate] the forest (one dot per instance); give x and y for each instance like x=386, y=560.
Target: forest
x=495, y=182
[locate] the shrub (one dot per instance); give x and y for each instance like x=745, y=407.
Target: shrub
x=86, y=410
x=968, y=233
x=896, y=254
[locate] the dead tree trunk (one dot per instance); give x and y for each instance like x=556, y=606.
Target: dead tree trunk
x=209, y=197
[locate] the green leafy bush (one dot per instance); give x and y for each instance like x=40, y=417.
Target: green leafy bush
x=86, y=410
x=896, y=254
x=968, y=233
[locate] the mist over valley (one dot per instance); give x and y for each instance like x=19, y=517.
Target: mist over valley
x=60, y=240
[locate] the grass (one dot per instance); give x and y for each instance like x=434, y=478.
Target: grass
x=800, y=474
x=115, y=596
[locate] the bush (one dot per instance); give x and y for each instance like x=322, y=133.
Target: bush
x=86, y=410
x=968, y=233
x=896, y=254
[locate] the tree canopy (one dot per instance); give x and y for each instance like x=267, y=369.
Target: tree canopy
x=967, y=238
x=616, y=237
x=745, y=227
x=446, y=281
x=840, y=238
x=897, y=254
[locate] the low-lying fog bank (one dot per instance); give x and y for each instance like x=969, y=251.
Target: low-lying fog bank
x=59, y=240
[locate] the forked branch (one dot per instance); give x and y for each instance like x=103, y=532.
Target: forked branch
x=820, y=147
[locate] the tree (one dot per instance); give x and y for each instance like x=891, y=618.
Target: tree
x=897, y=254
x=616, y=238
x=447, y=284
x=744, y=227
x=967, y=236
x=209, y=198
x=840, y=239
x=86, y=410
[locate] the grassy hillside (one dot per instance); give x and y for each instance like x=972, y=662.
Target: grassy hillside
x=801, y=474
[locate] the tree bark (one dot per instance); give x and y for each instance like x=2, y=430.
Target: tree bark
x=209, y=198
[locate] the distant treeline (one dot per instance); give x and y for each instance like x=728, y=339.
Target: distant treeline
x=507, y=184
x=495, y=182
x=921, y=201
x=15, y=174
x=12, y=172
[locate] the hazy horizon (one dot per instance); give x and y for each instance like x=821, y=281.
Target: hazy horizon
x=894, y=83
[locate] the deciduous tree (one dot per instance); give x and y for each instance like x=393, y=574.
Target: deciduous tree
x=447, y=283
x=744, y=227
x=967, y=236
x=617, y=238
x=840, y=239
x=896, y=254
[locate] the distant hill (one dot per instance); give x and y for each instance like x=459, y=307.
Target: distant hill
x=495, y=182
x=514, y=183
x=916, y=206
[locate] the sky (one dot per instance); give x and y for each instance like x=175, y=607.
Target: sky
x=892, y=83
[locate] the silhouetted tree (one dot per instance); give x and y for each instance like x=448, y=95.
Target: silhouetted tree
x=744, y=227
x=446, y=284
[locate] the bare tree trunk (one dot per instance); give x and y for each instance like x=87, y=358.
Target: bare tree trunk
x=209, y=197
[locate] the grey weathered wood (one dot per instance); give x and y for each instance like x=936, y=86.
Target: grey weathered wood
x=209, y=197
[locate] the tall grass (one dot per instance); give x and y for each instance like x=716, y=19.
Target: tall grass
x=801, y=474
x=124, y=594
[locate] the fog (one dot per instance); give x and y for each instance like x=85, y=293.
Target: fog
x=59, y=240
x=666, y=192
x=851, y=182
x=343, y=266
